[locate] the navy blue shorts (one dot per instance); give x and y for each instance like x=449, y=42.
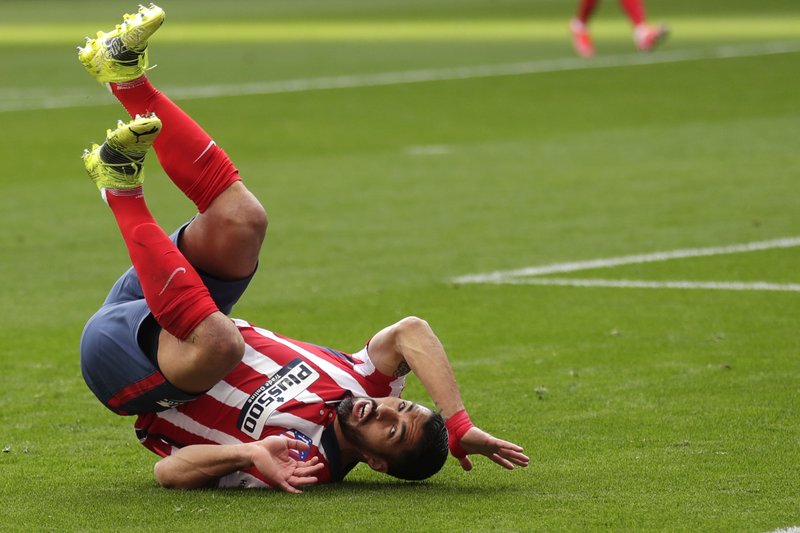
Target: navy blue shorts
x=120, y=341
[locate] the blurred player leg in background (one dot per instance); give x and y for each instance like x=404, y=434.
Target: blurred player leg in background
x=645, y=36
x=581, y=39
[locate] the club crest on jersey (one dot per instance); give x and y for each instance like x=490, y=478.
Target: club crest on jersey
x=288, y=382
x=298, y=455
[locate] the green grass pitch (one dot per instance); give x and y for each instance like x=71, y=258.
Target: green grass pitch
x=643, y=409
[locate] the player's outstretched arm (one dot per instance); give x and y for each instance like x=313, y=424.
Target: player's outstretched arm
x=202, y=465
x=411, y=346
x=476, y=441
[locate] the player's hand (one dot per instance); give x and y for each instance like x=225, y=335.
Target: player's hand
x=506, y=454
x=271, y=457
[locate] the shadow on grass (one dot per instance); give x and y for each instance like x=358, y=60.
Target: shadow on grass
x=398, y=487
x=345, y=489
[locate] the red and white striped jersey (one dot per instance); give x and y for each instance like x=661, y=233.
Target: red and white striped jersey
x=281, y=387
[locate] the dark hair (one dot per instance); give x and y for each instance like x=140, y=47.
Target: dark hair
x=427, y=457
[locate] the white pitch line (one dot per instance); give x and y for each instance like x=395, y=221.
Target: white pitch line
x=22, y=99
x=503, y=276
x=530, y=275
x=638, y=284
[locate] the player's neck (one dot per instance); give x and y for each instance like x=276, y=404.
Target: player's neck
x=348, y=453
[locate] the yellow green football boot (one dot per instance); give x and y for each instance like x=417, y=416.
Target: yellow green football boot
x=117, y=163
x=121, y=54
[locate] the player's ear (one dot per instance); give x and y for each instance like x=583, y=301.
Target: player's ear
x=379, y=464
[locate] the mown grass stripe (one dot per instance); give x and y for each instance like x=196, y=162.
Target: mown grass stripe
x=24, y=99
x=404, y=30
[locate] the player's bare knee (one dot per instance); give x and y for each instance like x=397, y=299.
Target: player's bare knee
x=412, y=323
x=244, y=221
x=255, y=218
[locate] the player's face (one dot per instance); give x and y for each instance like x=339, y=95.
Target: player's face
x=386, y=426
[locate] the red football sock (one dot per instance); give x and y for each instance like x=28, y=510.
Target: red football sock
x=172, y=288
x=192, y=160
x=585, y=10
x=635, y=10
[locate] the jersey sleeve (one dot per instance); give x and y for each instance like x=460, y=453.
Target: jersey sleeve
x=382, y=385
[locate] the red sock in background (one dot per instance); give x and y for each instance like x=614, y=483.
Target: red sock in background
x=188, y=155
x=634, y=9
x=585, y=10
x=172, y=288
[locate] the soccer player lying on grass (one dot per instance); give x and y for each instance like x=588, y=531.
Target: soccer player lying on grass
x=226, y=403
